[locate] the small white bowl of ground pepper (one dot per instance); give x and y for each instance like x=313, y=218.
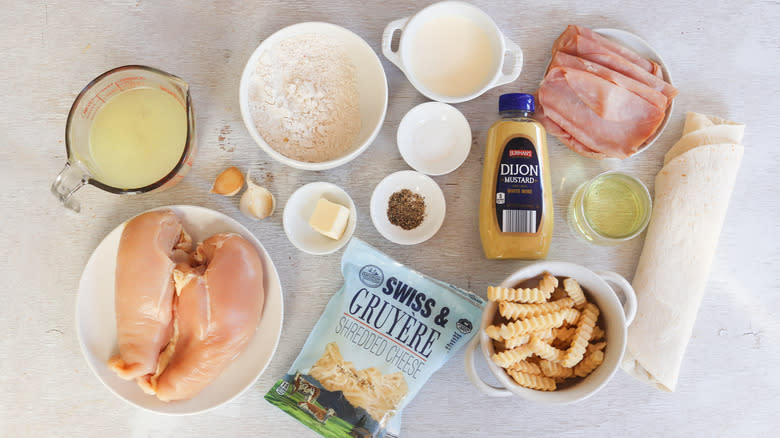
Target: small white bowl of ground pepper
x=407, y=207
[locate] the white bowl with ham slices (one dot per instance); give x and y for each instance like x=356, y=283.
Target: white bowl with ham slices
x=97, y=327
x=606, y=93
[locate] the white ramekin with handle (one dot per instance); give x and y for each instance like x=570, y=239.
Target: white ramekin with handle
x=615, y=315
x=502, y=47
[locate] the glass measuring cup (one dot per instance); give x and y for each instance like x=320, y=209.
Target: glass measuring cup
x=611, y=208
x=81, y=168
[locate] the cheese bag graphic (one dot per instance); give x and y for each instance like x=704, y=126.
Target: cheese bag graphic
x=381, y=337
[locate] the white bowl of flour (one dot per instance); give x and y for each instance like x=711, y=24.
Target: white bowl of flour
x=313, y=95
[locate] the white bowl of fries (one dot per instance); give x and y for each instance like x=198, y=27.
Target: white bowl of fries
x=553, y=332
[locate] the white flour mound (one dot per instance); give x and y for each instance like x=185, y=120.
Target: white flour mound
x=304, y=98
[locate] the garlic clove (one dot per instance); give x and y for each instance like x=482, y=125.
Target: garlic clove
x=229, y=182
x=257, y=202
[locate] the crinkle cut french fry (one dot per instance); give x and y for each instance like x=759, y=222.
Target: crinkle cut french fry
x=548, y=283
x=545, y=350
x=508, y=357
x=532, y=381
x=529, y=295
x=513, y=310
x=589, y=363
x=545, y=335
x=574, y=290
x=581, y=336
x=526, y=367
x=517, y=341
x=532, y=324
x=571, y=315
x=494, y=332
x=554, y=369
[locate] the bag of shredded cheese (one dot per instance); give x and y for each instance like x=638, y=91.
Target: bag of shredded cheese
x=382, y=335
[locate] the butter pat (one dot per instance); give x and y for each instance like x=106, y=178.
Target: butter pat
x=329, y=219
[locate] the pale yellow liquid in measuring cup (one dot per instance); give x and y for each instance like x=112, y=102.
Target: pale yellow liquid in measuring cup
x=137, y=138
x=614, y=206
x=452, y=56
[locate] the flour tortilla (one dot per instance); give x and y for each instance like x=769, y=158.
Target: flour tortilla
x=705, y=130
x=692, y=192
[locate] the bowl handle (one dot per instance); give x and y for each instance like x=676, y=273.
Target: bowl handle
x=387, y=41
x=471, y=372
x=517, y=53
x=629, y=295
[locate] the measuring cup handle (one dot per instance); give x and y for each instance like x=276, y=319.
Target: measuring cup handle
x=67, y=182
x=472, y=374
x=387, y=41
x=629, y=295
x=516, y=53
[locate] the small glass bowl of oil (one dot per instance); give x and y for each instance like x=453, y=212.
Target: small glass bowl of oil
x=609, y=209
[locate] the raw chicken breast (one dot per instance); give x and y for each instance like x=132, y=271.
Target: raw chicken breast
x=217, y=310
x=598, y=114
x=148, y=248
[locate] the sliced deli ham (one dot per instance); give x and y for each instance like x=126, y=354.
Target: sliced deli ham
x=593, y=51
x=599, y=98
x=607, y=44
x=554, y=129
x=561, y=59
x=602, y=116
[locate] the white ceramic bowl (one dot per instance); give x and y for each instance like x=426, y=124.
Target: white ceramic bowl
x=615, y=316
x=299, y=209
x=434, y=138
x=435, y=207
x=96, y=320
x=502, y=47
x=371, y=84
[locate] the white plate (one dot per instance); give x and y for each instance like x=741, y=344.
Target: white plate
x=96, y=320
x=434, y=138
x=435, y=207
x=299, y=209
x=371, y=85
x=641, y=47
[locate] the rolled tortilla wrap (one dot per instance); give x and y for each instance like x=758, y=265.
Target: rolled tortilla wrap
x=692, y=192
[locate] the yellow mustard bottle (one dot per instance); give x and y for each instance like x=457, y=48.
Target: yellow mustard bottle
x=515, y=204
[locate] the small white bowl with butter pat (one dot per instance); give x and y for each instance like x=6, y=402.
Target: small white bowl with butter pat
x=319, y=218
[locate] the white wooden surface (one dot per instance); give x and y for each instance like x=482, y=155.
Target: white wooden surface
x=722, y=55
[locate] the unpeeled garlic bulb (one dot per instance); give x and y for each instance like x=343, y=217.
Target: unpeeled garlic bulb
x=257, y=202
